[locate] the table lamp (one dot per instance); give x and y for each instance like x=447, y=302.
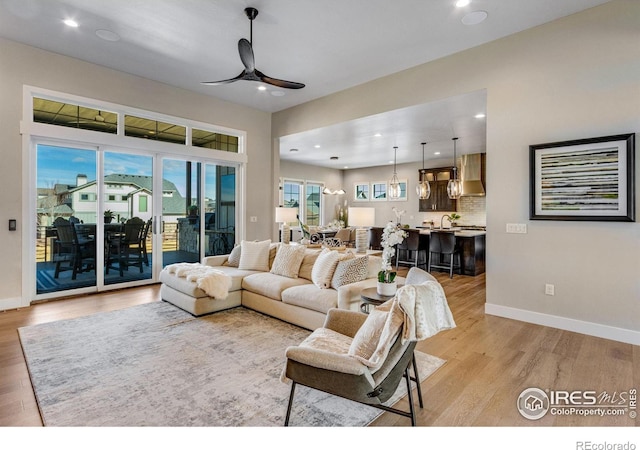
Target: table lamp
x=360, y=218
x=284, y=216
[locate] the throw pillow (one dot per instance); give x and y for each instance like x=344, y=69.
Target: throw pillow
x=310, y=257
x=324, y=267
x=234, y=257
x=288, y=260
x=254, y=255
x=350, y=271
x=366, y=340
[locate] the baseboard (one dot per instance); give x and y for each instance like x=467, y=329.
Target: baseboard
x=564, y=323
x=11, y=303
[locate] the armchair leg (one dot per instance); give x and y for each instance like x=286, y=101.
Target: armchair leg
x=293, y=388
x=410, y=397
x=417, y=380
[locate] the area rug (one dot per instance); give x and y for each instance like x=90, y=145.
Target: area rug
x=156, y=365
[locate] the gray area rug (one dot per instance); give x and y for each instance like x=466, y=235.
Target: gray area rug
x=156, y=365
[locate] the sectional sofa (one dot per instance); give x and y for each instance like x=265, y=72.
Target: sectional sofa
x=287, y=281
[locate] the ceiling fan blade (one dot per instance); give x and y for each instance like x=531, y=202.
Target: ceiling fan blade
x=279, y=83
x=246, y=55
x=219, y=82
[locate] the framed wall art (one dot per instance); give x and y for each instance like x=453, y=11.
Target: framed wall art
x=586, y=179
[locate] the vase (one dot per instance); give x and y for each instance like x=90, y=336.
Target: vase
x=387, y=289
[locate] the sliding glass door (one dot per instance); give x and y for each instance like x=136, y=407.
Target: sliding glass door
x=101, y=213
x=66, y=254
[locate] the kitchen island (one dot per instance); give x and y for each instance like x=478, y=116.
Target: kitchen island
x=472, y=245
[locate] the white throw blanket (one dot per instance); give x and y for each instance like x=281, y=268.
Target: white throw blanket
x=214, y=282
x=420, y=310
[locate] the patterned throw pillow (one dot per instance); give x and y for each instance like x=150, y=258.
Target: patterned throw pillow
x=350, y=271
x=234, y=257
x=288, y=260
x=254, y=255
x=324, y=267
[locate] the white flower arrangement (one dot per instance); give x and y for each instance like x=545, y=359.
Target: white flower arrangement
x=391, y=236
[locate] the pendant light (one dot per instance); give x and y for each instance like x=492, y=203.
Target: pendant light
x=423, y=189
x=394, y=183
x=454, y=187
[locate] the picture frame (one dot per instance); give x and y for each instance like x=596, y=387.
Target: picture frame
x=403, y=192
x=361, y=192
x=585, y=179
x=379, y=191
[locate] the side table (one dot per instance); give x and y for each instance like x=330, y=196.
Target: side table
x=370, y=296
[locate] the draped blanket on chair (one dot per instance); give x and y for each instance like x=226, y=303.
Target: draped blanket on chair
x=417, y=312
x=214, y=282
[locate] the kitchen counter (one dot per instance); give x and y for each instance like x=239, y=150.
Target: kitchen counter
x=457, y=232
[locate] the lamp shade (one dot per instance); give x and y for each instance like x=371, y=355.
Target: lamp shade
x=362, y=217
x=286, y=215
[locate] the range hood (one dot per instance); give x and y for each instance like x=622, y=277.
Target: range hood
x=471, y=175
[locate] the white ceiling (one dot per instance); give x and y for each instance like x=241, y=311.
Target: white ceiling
x=329, y=45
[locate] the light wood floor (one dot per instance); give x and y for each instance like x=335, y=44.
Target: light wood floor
x=490, y=361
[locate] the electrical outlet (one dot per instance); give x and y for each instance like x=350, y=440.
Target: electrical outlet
x=549, y=289
x=253, y=218
x=519, y=228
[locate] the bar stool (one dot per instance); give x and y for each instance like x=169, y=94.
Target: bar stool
x=412, y=250
x=444, y=243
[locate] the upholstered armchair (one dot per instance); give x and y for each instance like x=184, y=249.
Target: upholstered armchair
x=365, y=357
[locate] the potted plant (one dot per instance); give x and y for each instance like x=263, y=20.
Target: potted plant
x=453, y=217
x=391, y=236
x=108, y=216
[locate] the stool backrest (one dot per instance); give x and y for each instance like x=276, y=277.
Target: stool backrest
x=442, y=242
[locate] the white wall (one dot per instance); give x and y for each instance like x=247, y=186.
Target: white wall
x=24, y=65
x=573, y=78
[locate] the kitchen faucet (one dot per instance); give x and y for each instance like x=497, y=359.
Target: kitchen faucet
x=442, y=219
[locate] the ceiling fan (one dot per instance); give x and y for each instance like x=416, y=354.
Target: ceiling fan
x=250, y=73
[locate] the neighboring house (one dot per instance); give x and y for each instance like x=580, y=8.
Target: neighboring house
x=126, y=195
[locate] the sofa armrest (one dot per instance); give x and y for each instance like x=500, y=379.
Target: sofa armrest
x=216, y=260
x=344, y=322
x=349, y=294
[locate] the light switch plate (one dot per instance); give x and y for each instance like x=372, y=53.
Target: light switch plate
x=519, y=228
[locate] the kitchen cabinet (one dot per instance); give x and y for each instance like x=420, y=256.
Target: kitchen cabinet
x=438, y=179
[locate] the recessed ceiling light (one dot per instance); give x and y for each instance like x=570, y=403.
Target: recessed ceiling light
x=390, y=162
x=317, y=146
x=277, y=93
x=436, y=153
x=377, y=135
x=474, y=18
x=462, y=3
x=480, y=116
x=262, y=88
x=108, y=35
x=71, y=23
x=346, y=167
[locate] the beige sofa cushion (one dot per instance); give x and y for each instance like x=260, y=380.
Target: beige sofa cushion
x=287, y=261
x=310, y=257
x=325, y=266
x=312, y=297
x=234, y=257
x=270, y=285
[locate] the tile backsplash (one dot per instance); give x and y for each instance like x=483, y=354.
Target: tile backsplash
x=472, y=210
